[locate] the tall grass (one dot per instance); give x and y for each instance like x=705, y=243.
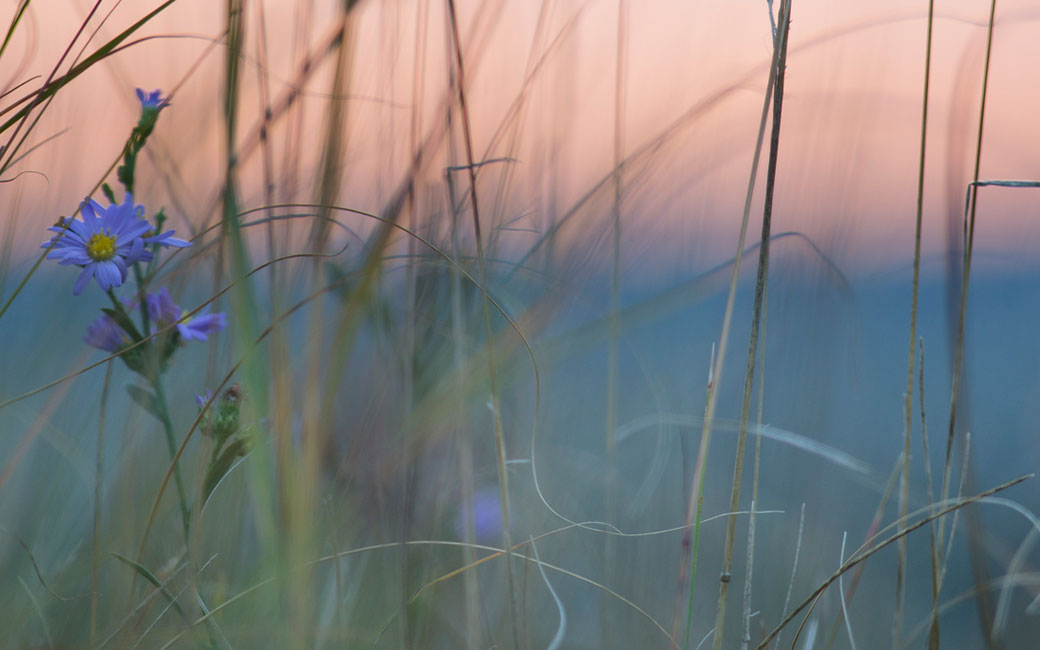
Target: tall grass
x=467, y=416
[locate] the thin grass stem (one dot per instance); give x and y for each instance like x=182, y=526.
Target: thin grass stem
x=760, y=282
x=500, y=443
x=867, y=550
x=908, y=398
x=709, y=414
x=96, y=523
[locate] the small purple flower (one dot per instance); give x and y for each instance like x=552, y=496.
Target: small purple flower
x=105, y=243
x=485, y=516
x=105, y=334
x=201, y=400
x=152, y=100
x=164, y=312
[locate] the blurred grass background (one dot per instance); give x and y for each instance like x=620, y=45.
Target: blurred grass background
x=399, y=370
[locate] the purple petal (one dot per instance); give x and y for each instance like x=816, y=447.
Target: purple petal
x=137, y=253
x=188, y=333
x=83, y=278
x=203, y=398
x=201, y=326
x=121, y=267
x=161, y=308
x=152, y=99
x=104, y=271
x=79, y=229
x=86, y=208
x=167, y=239
x=133, y=229
x=105, y=334
x=71, y=256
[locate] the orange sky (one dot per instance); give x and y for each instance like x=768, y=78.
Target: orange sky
x=848, y=159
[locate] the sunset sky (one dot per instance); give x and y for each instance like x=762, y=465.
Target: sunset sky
x=850, y=135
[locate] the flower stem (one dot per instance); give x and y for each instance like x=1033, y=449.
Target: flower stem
x=171, y=443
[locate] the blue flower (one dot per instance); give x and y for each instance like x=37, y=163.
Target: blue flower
x=105, y=334
x=164, y=312
x=152, y=100
x=105, y=243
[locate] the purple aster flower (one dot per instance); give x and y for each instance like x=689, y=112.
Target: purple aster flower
x=105, y=243
x=164, y=312
x=152, y=100
x=105, y=334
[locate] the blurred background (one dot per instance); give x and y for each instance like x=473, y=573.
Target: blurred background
x=614, y=143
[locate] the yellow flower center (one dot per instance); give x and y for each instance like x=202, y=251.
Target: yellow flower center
x=101, y=247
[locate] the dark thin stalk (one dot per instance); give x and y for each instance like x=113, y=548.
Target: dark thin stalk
x=709, y=412
x=908, y=398
x=10, y=149
x=52, y=86
x=758, y=458
x=264, y=98
x=933, y=632
x=14, y=25
x=335, y=136
x=500, y=448
x=756, y=319
x=958, y=360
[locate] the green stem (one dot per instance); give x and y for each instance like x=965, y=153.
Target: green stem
x=171, y=443
x=693, y=560
x=142, y=290
x=118, y=306
x=696, y=542
x=163, y=411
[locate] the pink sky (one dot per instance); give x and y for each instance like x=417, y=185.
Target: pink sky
x=848, y=158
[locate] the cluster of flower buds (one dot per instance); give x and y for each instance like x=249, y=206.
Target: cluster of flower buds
x=221, y=424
